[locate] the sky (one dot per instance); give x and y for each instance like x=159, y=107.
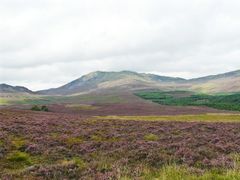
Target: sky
x=48, y=43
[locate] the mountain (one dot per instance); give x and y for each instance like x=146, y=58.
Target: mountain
x=226, y=82
x=124, y=80
x=100, y=81
x=5, y=88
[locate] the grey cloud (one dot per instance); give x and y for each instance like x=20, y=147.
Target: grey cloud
x=66, y=39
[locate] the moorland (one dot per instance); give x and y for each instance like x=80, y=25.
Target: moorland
x=123, y=125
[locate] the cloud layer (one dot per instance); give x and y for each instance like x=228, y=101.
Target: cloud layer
x=47, y=43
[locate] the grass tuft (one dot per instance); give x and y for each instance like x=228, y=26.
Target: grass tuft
x=151, y=137
x=79, y=162
x=18, y=142
x=174, y=172
x=74, y=140
x=19, y=157
x=1, y=143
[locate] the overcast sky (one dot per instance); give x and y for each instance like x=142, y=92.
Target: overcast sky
x=47, y=43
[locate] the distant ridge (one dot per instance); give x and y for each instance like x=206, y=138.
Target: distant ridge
x=101, y=81
x=5, y=88
x=218, y=76
x=221, y=83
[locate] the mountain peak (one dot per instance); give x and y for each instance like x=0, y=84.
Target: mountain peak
x=91, y=75
x=131, y=81
x=100, y=80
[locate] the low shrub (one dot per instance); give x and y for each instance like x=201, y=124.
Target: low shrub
x=44, y=108
x=37, y=108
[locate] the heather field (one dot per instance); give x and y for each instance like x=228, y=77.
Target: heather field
x=119, y=90
x=77, y=145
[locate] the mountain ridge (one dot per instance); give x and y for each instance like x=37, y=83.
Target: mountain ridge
x=131, y=81
x=222, y=75
x=105, y=80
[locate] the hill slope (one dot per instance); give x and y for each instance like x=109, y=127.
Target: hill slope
x=124, y=80
x=5, y=88
x=227, y=82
